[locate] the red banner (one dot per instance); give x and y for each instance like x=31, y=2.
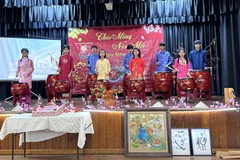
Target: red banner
x=114, y=41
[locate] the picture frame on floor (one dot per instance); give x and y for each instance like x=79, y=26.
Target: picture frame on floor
x=201, y=141
x=180, y=141
x=147, y=132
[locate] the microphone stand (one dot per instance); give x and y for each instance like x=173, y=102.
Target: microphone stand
x=210, y=51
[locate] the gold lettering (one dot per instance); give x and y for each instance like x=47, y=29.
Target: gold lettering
x=110, y=55
x=103, y=36
x=118, y=54
x=140, y=44
x=122, y=45
x=122, y=35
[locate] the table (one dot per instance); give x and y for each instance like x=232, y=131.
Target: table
x=35, y=129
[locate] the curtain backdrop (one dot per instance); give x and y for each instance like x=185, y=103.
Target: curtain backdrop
x=230, y=42
x=183, y=20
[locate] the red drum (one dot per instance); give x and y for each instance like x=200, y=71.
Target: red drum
x=203, y=80
x=162, y=82
x=126, y=79
x=61, y=86
x=186, y=84
x=49, y=85
x=91, y=81
x=51, y=79
x=137, y=86
x=19, y=89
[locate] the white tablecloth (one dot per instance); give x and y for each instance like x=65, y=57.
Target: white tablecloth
x=44, y=128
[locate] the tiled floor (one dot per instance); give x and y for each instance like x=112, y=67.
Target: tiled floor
x=103, y=157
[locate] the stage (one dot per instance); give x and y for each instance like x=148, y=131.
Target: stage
x=109, y=130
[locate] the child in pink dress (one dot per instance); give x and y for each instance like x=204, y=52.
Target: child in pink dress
x=25, y=68
x=182, y=65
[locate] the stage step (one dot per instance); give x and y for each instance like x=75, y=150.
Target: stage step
x=230, y=154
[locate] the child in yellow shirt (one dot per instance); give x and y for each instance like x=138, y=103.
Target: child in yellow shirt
x=103, y=66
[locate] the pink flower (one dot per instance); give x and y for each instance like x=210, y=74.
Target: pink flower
x=2, y=109
x=166, y=102
x=102, y=107
x=175, y=107
x=181, y=100
x=212, y=106
x=127, y=106
x=188, y=107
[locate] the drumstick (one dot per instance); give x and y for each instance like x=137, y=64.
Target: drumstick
x=169, y=67
x=209, y=68
x=14, y=79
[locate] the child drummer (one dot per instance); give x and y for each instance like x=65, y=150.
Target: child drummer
x=163, y=59
x=25, y=69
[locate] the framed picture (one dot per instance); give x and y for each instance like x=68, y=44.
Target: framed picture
x=201, y=141
x=147, y=132
x=180, y=141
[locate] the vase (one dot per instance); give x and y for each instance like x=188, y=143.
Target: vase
x=109, y=102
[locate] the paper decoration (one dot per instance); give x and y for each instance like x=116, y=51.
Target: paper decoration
x=18, y=108
x=158, y=104
x=201, y=105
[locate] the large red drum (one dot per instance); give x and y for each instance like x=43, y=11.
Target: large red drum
x=50, y=81
x=61, y=86
x=186, y=84
x=126, y=80
x=162, y=82
x=203, y=80
x=19, y=88
x=137, y=86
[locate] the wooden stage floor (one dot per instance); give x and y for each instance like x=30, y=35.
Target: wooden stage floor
x=8, y=106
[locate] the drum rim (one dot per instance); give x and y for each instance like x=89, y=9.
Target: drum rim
x=185, y=78
x=199, y=70
x=53, y=75
x=62, y=81
x=19, y=82
x=162, y=72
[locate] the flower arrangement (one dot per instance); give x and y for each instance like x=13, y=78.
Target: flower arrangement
x=233, y=104
x=102, y=92
x=75, y=74
x=175, y=104
x=119, y=105
x=68, y=106
x=53, y=62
